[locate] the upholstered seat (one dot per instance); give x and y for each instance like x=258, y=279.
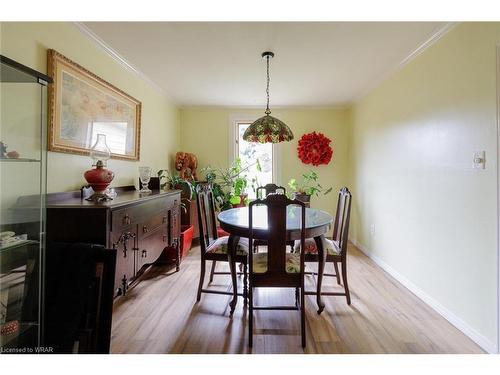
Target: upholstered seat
x=219, y=246
x=292, y=263
x=311, y=248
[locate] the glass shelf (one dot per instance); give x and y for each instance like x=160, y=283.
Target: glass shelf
x=17, y=245
x=19, y=160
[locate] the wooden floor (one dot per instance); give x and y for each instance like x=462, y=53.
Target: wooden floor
x=160, y=316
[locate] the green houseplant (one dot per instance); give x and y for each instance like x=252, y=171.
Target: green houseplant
x=307, y=187
x=229, y=185
x=174, y=181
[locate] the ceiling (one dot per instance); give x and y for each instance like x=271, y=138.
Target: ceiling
x=217, y=63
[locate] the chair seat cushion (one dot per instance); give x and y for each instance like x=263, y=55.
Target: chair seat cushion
x=219, y=246
x=311, y=248
x=260, y=263
x=221, y=232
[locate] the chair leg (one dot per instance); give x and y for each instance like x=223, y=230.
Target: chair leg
x=344, y=279
x=337, y=273
x=302, y=318
x=250, y=316
x=214, y=262
x=245, y=286
x=202, y=278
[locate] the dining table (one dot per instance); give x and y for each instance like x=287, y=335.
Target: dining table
x=235, y=222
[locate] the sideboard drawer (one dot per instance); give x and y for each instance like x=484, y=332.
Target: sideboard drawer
x=122, y=218
x=153, y=223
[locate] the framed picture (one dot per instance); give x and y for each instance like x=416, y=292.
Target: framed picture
x=82, y=105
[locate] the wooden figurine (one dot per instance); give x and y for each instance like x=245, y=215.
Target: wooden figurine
x=186, y=164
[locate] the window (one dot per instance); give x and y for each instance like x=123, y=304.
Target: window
x=251, y=152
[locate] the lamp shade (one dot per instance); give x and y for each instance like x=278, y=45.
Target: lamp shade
x=268, y=129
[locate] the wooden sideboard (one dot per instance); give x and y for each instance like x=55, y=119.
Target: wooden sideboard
x=143, y=229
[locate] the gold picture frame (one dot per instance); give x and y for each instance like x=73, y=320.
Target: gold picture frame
x=82, y=105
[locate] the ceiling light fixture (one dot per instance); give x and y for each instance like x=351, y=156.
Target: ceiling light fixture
x=268, y=129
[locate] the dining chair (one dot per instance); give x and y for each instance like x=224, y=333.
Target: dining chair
x=262, y=192
x=268, y=189
x=277, y=268
x=214, y=248
x=336, y=248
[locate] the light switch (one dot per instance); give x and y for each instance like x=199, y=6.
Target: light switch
x=478, y=160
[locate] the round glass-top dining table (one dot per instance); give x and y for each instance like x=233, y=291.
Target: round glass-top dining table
x=235, y=222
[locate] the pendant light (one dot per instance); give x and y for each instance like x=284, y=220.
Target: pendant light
x=268, y=129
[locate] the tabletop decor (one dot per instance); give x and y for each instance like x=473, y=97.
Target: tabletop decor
x=99, y=177
x=307, y=187
x=314, y=148
x=186, y=164
x=81, y=105
x=268, y=129
x=145, y=176
x=175, y=181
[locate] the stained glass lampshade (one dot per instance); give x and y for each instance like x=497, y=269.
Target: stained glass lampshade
x=268, y=129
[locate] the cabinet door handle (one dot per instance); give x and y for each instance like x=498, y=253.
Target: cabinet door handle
x=126, y=220
x=124, y=284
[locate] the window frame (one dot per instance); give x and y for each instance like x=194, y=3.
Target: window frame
x=234, y=121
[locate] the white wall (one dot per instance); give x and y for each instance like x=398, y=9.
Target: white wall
x=412, y=143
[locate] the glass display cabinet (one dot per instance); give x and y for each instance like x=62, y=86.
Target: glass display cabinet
x=23, y=132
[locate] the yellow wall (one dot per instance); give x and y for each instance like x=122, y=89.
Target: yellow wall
x=27, y=43
x=412, y=145
x=205, y=132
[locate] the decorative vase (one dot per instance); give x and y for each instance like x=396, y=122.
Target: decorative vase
x=99, y=177
x=242, y=203
x=145, y=176
x=303, y=197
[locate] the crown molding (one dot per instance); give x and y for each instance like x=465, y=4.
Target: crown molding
x=417, y=51
x=101, y=44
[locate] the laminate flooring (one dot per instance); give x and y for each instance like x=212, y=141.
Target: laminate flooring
x=160, y=315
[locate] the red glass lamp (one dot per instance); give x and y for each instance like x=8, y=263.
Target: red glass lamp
x=99, y=177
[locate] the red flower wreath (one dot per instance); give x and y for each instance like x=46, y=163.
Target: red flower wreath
x=314, y=148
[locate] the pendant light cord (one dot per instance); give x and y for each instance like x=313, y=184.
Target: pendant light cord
x=268, y=111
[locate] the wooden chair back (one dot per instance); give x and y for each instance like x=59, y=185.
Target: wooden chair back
x=269, y=189
x=342, y=217
x=277, y=242
x=206, y=215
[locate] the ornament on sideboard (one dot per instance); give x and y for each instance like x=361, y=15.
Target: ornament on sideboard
x=7, y=155
x=99, y=177
x=145, y=176
x=314, y=148
x=186, y=164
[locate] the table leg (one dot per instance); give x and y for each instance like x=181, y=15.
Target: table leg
x=231, y=254
x=321, y=268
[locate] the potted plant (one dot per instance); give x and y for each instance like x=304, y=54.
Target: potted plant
x=229, y=185
x=174, y=181
x=307, y=187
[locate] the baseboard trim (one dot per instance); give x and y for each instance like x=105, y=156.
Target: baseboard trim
x=475, y=336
